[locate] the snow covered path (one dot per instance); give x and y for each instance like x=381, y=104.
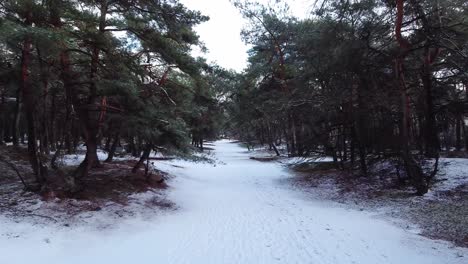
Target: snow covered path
x=234, y=212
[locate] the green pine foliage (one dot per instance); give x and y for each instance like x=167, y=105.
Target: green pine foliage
x=100, y=71
x=328, y=84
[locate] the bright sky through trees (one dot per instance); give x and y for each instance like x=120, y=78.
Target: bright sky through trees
x=221, y=34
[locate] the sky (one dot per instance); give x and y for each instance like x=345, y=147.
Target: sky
x=221, y=34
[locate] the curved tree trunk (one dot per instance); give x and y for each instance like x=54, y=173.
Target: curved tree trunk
x=143, y=158
x=413, y=170
x=113, y=147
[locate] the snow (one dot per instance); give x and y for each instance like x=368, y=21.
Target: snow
x=234, y=211
x=297, y=160
x=76, y=159
x=454, y=173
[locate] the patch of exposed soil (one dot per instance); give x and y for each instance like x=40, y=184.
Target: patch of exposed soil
x=111, y=181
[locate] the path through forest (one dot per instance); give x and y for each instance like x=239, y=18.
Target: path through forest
x=237, y=211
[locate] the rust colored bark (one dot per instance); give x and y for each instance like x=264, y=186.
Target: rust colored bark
x=412, y=168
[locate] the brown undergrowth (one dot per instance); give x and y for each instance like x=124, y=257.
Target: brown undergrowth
x=111, y=188
x=111, y=181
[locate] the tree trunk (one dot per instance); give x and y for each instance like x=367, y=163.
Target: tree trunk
x=201, y=143
x=344, y=145
x=17, y=118
x=88, y=117
x=143, y=158
x=44, y=136
x=270, y=139
x=465, y=136
x=113, y=147
x=360, y=128
x=458, y=133
x=2, y=118
x=107, y=145
x=430, y=131
x=413, y=170
x=52, y=130
x=90, y=161
x=36, y=164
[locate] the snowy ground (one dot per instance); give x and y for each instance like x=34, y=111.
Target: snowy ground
x=234, y=211
x=452, y=175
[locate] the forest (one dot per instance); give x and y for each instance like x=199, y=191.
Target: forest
x=105, y=74
x=359, y=81
x=343, y=139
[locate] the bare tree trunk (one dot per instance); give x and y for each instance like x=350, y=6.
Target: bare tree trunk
x=430, y=131
x=201, y=143
x=52, y=130
x=143, y=158
x=44, y=138
x=2, y=118
x=465, y=135
x=37, y=166
x=17, y=118
x=291, y=136
x=344, y=145
x=113, y=147
x=360, y=128
x=413, y=169
x=88, y=117
x=458, y=133
x=270, y=139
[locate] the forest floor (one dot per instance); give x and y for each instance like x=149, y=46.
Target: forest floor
x=442, y=213
x=110, y=191
x=232, y=210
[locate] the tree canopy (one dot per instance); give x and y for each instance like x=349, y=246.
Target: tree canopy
x=100, y=71
x=358, y=81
